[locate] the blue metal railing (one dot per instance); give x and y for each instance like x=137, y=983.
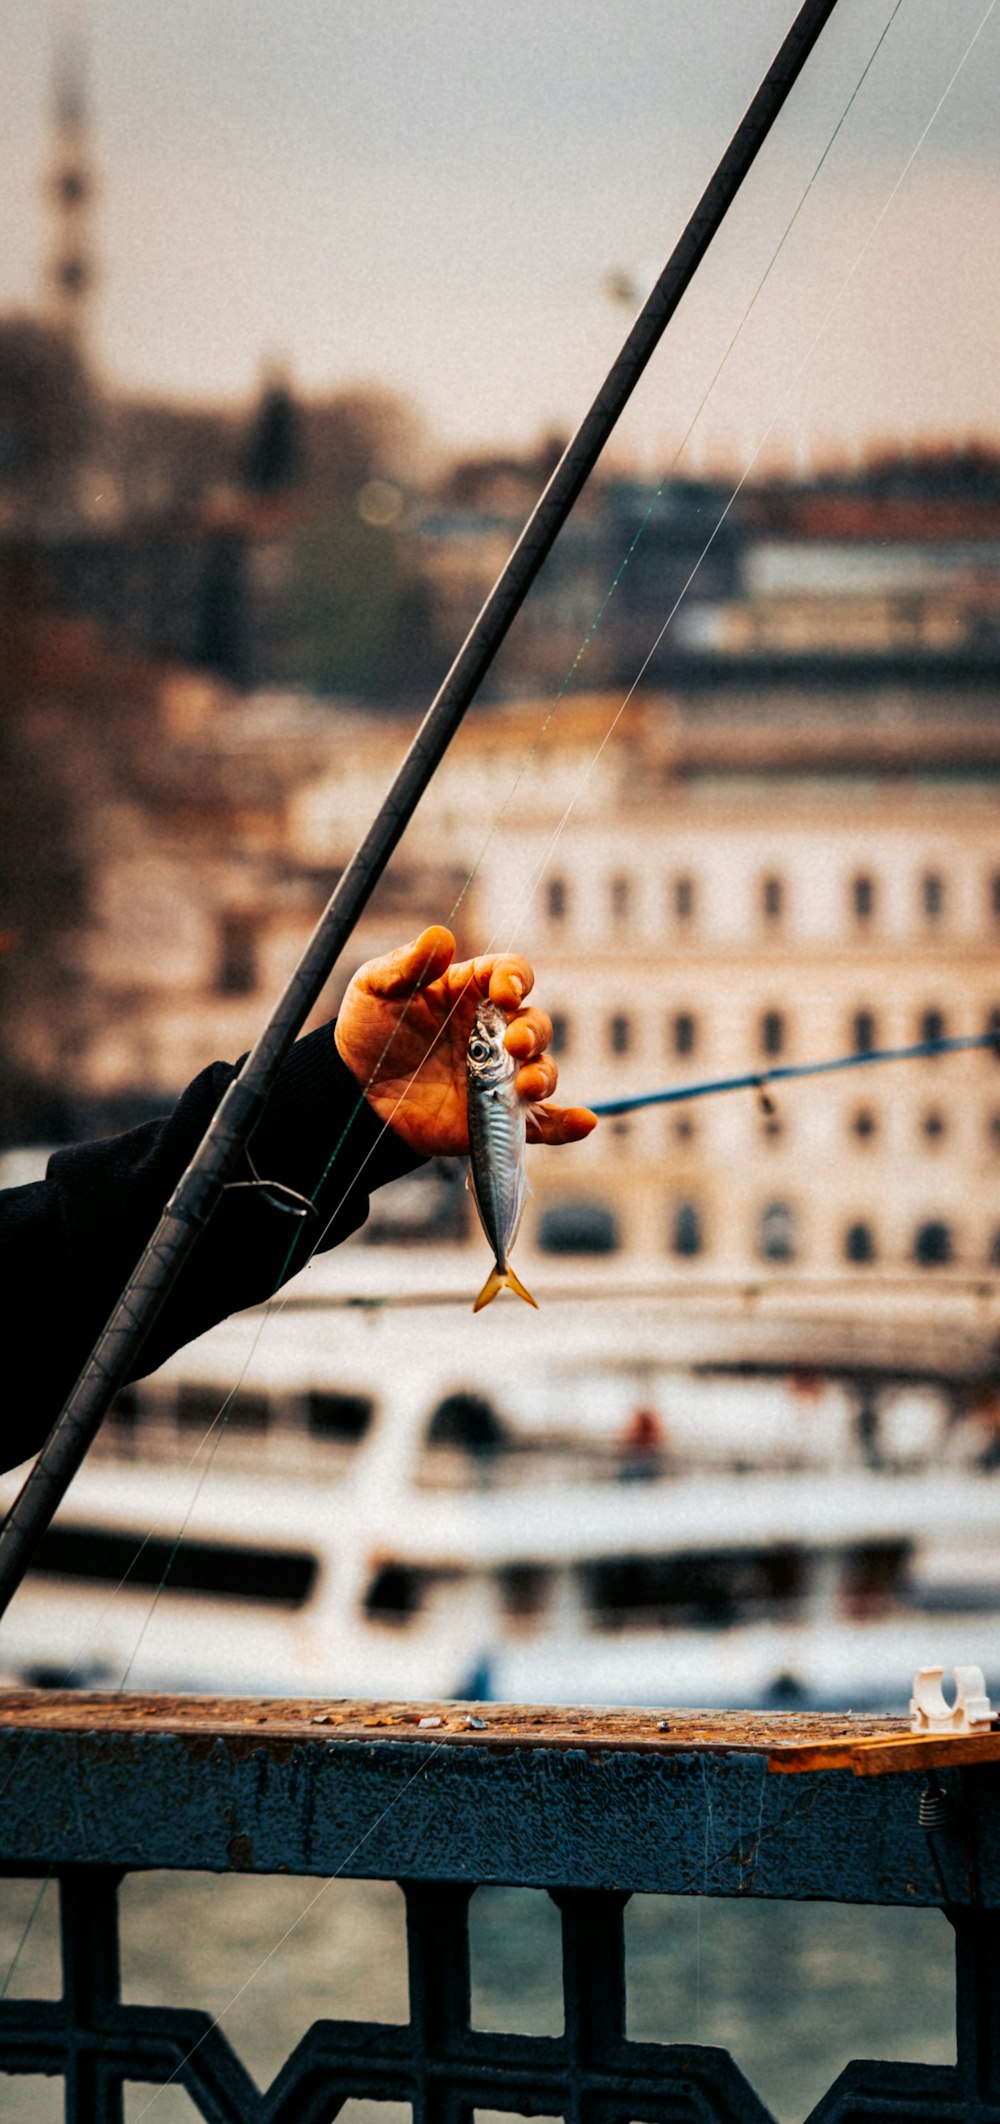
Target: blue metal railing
x=590, y=1807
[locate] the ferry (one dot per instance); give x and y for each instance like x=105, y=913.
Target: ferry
x=666, y=1493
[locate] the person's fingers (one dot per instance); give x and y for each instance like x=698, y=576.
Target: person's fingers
x=528, y=1034
x=411, y=966
x=560, y=1124
x=538, y=1080
x=505, y=979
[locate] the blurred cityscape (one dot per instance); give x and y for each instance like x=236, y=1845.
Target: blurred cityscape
x=770, y=1364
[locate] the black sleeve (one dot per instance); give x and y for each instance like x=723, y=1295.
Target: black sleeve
x=69, y=1243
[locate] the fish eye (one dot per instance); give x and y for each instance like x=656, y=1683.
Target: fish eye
x=478, y=1050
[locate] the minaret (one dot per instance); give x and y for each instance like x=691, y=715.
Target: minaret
x=70, y=189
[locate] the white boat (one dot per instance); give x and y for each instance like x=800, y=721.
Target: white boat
x=641, y=1498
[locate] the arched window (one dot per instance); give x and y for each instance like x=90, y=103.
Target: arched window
x=995, y=1250
x=619, y=1033
x=560, y=1033
x=686, y=1233
x=620, y=899
x=932, y=1246
x=555, y=899
x=863, y=897
x=578, y=1228
x=772, y=899
x=684, y=1032
x=777, y=1233
x=932, y=1025
x=683, y=897
x=466, y=1420
x=236, y=965
x=859, y=1243
x=864, y=1034
x=772, y=1032
x=932, y=895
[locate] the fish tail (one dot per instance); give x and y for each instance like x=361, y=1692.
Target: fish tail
x=502, y=1280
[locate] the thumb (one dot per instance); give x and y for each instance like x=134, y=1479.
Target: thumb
x=412, y=966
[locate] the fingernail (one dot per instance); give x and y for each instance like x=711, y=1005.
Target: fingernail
x=517, y=986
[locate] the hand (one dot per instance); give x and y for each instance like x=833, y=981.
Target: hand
x=403, y=1030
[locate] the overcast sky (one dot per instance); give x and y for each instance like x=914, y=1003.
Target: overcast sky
x=431, y=194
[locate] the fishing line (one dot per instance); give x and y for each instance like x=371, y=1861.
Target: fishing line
x=540, y=868
x=530, y=755
x=619, y=1107
x=672, y=466
x=23, y=1941
x=602, y=608
x=591, y=631
x=538, y=873
x=313, y=1900
x=535, y=877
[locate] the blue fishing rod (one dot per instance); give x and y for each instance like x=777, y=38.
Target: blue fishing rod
x=759, y=1079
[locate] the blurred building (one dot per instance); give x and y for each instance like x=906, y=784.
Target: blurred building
x=805, y=887
x=714, y=893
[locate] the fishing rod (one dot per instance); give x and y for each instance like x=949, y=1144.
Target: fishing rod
x=200, y=1188
x=759, y=1079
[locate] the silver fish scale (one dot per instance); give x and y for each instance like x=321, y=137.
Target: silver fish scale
x=497, y=1136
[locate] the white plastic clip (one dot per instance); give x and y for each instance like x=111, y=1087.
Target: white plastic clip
x=930, y=1711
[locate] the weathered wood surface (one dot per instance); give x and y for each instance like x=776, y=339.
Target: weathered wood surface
x=791, y=1741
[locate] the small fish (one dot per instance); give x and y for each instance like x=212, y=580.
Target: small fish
x=497, y=1132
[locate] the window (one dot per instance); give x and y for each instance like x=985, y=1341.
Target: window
x=686, y=1233
x=683, y=1033
x=341, y=1416
x=683, y=898
x=995, y=895
x=683, y=1128
x=777, y=1233
x=992, y=1026
x=932, y=1246
x=556, y=899
x=864, y=1124
x=772, y=1033
x=620, y=899
x=198, y=1408
x=863, y=897
x=932, y=895
x=619, y=1034
x=932, y=1126
x=932, y=1025
x=467, y=1421
x=864, y=1040
x=559, y=1042
x=859, y=1243
x=218, y=1569
x=995, y=1250
x=994, y=1130
x=578, y=1228
x=126, y=1408
x=772, y=899
x=236, y=969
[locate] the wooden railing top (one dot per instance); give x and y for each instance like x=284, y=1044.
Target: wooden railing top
x=790, y=1740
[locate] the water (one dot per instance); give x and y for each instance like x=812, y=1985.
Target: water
x=792, y=1989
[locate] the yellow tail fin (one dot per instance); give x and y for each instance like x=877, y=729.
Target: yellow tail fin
x=500, y=1280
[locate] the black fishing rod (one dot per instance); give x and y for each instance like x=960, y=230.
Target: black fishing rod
x=198, y=1192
